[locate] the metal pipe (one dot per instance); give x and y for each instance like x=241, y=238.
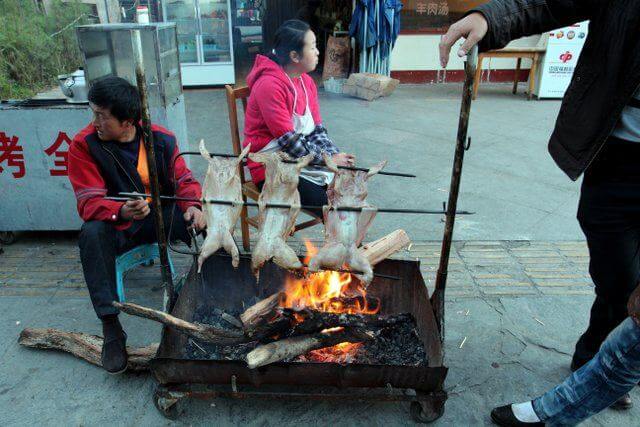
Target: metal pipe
x=322, y=165
x=124, y=196
x=167, y=279
x=461, y=143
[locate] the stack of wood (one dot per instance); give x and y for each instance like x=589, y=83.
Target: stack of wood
x=281, y=333
x=284, y=333
x=369, y=86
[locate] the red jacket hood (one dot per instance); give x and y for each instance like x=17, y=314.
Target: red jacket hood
x=263, y=66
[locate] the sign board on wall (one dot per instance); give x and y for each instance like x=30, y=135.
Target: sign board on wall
x=557, y=65
x=35, y=191
x=433, y=16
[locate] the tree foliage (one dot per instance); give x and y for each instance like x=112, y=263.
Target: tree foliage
x=35, y=47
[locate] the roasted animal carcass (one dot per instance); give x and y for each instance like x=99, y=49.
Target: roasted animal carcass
x=276, y=224
x=345, y=231
x=222, y=182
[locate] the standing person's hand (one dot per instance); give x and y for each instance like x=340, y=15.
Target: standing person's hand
x=134, y=210
x=344, y=159
x=472, y=27
x=196, y=217
x=633, y=306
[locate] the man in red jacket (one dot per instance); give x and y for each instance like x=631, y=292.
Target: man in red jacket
x=108, y=157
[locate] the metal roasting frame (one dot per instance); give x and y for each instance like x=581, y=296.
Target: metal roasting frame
x=177, y=377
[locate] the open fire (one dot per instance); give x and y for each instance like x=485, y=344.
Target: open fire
x=332, y=292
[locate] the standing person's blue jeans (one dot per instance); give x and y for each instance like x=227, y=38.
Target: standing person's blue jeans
x=612, y=372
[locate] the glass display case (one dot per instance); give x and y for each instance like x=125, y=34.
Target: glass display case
x=204, y=41
x=107, y=49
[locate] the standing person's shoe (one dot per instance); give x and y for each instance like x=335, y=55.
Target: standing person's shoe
x=623, y=404
x=114, y=348
x=504, y=416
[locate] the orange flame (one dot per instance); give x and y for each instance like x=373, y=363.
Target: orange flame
x=332, y=292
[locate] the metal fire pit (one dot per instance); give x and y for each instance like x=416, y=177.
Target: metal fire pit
x=221, y=286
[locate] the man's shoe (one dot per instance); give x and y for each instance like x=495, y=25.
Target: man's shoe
x=623, y=404
x=114, y=348
x=503, y=416
x=114, y=354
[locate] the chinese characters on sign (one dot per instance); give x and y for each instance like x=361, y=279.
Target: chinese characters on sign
x=60, y=155
x=12, y=156
x=432, y=8
x=434, y=16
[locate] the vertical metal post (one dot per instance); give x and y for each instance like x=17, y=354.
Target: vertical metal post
x=167, y=279
x=437, y=300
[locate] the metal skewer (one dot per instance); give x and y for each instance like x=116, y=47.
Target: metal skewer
x=126, y=196
x=321, y=164
x=382, y=276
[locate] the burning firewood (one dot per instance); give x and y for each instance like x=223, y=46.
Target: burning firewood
x=263, y=318
x=261, y=309
x=311, y=321
x=295, y=346
x=221, y=182
x=267, y=318
x=83, y=346
x=276, y=224
x=196, y=330
x=345, y=231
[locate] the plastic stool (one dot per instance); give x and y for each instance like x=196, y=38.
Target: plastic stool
x=143, y=254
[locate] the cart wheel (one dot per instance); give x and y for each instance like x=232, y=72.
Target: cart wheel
x=7, y=237
x=168, y=407
x=426, y=411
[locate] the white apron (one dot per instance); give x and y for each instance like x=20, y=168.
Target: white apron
x=302, y=125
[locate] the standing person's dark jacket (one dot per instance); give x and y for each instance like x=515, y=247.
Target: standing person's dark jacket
x=605, y=78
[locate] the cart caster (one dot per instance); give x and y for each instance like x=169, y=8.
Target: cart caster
x=7, y=237
x=167, y=406
x=426, y=411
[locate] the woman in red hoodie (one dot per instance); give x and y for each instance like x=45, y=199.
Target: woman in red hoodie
x=283, y=114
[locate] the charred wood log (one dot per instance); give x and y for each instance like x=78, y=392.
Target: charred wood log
x=196, y=330
x=295, y=346
x=312, y=321
x=357, y=303
x=260, y=314
x=265, y=319
x=83, y=346
x=286, y=322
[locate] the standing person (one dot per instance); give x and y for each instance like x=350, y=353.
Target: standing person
x=108, y=157
x=597, y=133
x=283, y=113
x=612, y=372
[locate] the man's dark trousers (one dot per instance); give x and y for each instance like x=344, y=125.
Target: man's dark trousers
x=100, y=243
x=609, y=214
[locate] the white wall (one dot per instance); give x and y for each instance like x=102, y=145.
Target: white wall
x=420, y=52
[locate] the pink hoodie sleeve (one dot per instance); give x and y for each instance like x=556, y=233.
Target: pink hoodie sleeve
x=313, y=99
x=272, y=102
